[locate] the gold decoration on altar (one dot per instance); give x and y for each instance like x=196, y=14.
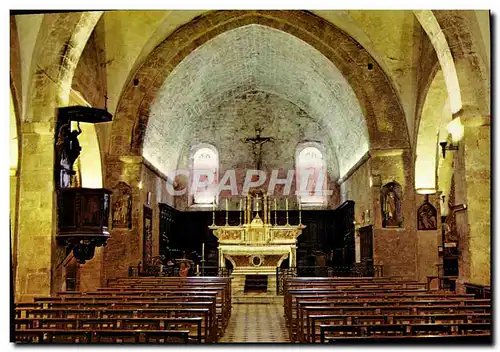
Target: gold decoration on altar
x=257, y=237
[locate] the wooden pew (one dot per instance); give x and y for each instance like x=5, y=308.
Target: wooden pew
x=193, y=325
x=291, y=308
x=316, y=320
x=403, y=329
x=208, y=327
x=101, y=336
x=303, y=320
x=481, y=338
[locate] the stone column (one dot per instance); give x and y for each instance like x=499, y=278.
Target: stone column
x=395, y=248
x=428, y=241
x=37, y=221
x=123, y=249
x=472, y=187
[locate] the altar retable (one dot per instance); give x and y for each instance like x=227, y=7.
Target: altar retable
x=256, y=246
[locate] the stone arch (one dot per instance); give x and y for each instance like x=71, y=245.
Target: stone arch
x=58, y=48
x=431, y=26
x=472, y=70
x=378, y=99
x=463, y=58
x=430, y=122
x=59, y=44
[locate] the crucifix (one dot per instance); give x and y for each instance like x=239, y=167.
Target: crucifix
x=257, y=143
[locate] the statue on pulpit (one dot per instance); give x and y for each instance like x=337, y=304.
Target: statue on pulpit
x=67, y=151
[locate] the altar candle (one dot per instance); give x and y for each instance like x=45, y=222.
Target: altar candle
x=227, y=205
x=214, y=205
x=275, y=204
x=300, y=204
x=203, y=251
x=197, y=268
x=241, y=204
x=286, y=204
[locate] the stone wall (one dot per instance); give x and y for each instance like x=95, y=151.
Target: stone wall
x=428, y=242
x=357, y=188
x=154, y=182
x=226, y=126
x=123, y=248
x=395, y=248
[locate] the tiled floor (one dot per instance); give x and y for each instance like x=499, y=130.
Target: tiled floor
x=256, y=323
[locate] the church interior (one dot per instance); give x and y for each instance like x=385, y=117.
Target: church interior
x=232, y=176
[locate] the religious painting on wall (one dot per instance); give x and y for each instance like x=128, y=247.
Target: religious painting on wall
x=426, y=217
x=122, y=206
x=147, y=230
x=390, y=200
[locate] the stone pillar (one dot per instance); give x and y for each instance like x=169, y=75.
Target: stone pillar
x=37, y=221
x=13, y=219
x=92, y=272
x=395, y=248
x=428, y=241
x=472, y=187
x=123, y=249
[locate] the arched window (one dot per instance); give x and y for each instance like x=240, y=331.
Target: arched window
x=311, y=174
x=205, y=168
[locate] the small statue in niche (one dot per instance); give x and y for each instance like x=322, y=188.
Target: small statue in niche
x=391, y=205
x=68, y=149
x=427, y=216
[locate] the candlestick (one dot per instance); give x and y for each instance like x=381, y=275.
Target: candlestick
x=300, y=211
x=269, y=218
x=227, y=213
x=286, y=207
x=241, y=209
x=245, y=210
x=264, y=207
x=213, y=214
x=275, y=212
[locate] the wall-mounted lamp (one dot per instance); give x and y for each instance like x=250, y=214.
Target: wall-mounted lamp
x=459, y=207
x=445, y=147
x=426, y=191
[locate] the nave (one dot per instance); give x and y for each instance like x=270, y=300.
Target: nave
x=259, y=323
x=199, y=310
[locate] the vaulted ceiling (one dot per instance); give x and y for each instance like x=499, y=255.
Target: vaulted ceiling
x=247, y=59
x=255, y=58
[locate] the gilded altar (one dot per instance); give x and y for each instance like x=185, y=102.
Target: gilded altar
x=257, y=247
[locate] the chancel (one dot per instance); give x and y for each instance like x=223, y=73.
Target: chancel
x=256, y=248
x=193, y=176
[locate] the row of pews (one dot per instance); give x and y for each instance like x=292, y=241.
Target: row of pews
x=130, y=310
x=373, y=310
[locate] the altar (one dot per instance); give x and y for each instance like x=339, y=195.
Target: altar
x=256, y=246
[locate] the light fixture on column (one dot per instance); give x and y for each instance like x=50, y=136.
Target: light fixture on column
x=426, y=191
x=444, y=147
